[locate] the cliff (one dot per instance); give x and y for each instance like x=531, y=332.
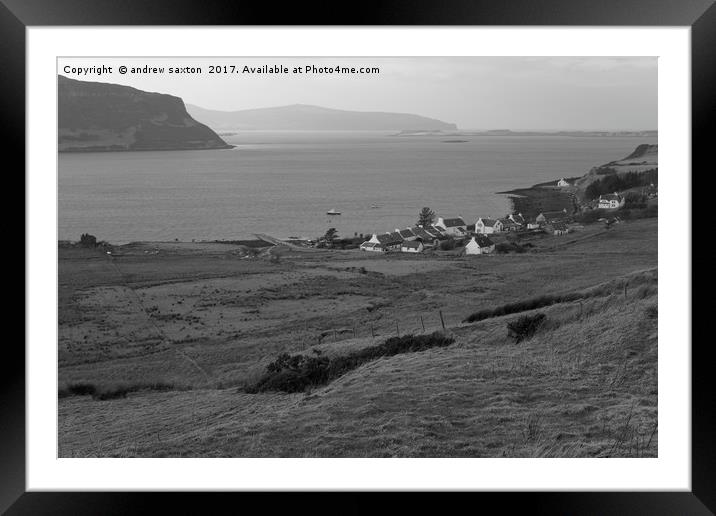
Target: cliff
x=95, y=116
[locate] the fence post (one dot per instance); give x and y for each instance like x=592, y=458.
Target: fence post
x=372, y=333
x=335, y=335
x=442, y=321
x=625, y=289
x=397, y=329
x=422, y=323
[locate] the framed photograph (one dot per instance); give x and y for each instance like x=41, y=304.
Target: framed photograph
x=417, y=249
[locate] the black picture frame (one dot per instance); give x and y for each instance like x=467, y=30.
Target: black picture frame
x=700, y=15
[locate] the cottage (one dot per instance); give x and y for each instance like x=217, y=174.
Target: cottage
x=487, y=226
x=422, y=235
x=533, y=224
x=388, y=241
x=557, y=228
x=551, y=216
x=480, y=244
x=370, y=246
x=412, y=246
x=611, y=201
x=508, y=225
x=563, y=182
x=452, y=227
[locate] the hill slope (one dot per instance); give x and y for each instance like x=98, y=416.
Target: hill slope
x=302, y=117
x=95, y=116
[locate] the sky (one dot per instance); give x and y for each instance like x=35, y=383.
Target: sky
x=517, y=93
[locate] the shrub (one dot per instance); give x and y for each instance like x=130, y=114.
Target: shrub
x=295, y=373
x=87, y=240
x=447, y=245
x=524, y=327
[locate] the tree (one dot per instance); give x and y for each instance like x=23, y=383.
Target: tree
x=87, y=240
x=331, y=235
x=426, y=217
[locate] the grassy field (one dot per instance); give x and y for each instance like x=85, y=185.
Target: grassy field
x=183, y=327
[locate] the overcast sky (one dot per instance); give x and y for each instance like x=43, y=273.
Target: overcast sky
x=547, y=93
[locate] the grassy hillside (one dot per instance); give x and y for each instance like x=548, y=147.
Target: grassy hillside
x=207, y=322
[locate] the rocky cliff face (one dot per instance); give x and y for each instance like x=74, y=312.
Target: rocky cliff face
x=95, y=116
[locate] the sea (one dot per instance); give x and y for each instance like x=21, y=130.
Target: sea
x=283, y=183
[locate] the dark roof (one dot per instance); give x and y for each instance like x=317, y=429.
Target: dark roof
x=422, y=233
x=471, y=227
x=451, y=223
x=406, y=233
x=551, y=215
x=561, y=226
x=389, y=238
x=412, y=243
x=483, y=240
x=435, y=232
x=488, y=222
x=519, y=219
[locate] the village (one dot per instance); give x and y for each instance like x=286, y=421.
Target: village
x=478, y=238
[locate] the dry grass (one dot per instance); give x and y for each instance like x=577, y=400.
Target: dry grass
x=584, y=385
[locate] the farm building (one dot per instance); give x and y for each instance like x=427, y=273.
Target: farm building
x=480, y=244
x=370, y=246
x=611, y=201
x=551, y=216
x=487, y=226
x=453, y=227
x=413, y=246
x=563, y=182
x=557, y=228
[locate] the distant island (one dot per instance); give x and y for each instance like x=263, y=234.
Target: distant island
x=507, y=132
x=96, y=116
x=303, y=117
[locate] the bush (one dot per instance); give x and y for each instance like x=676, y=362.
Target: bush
x=296, y=373
x=87, y=240
x=525, y=326
x=447, y=245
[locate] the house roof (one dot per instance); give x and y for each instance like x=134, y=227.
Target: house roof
x=471, y=227
x=389, y=238
x=487, y=222
x=406, y=233
x=412, y=244
x=553, y=214
x=451, y=223
x=435, y=232
x=610, y=197
x=516, y=217
x=483, y=241
x=561, y=226
x=422, y=233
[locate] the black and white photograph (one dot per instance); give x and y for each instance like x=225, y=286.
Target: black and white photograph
x=358, y=257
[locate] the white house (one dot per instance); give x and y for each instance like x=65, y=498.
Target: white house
x=480, y=244
x=412, y=246
x=488, y=226
x=611, y=201
x=370, y=246
x=450, y=226
x=563, y=182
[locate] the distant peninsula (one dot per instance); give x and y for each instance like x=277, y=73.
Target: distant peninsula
x=508, y=132
x=303, y=117
x=96, y=116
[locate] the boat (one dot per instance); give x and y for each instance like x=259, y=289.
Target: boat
x=333, y=212
x=374, y=206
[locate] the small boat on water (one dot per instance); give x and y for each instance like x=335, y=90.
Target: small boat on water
x=333, y=212
x=374, y=206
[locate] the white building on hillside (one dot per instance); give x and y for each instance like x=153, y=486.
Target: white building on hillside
x=563, y=182
x=611, y=201
x=480, y=244
x=453, y=227
x=487, y=226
